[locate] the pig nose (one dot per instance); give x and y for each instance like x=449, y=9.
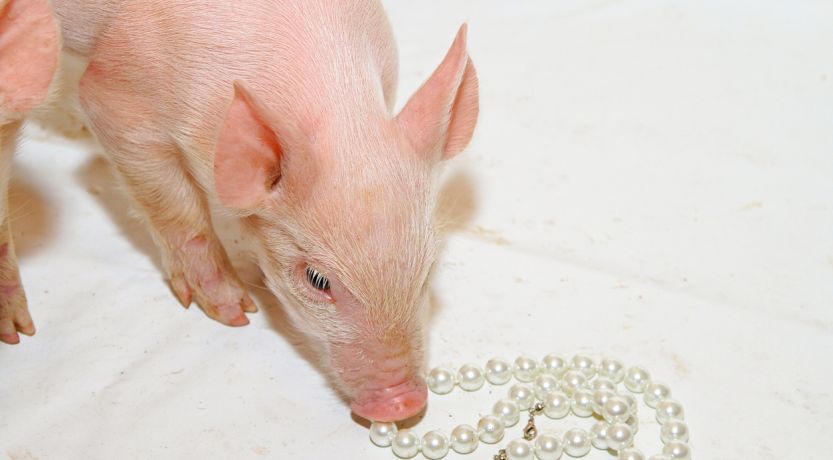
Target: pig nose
x=391, y=404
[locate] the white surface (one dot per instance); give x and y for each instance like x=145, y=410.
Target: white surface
x=649, y=180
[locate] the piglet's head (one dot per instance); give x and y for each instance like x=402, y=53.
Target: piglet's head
x=343, y=212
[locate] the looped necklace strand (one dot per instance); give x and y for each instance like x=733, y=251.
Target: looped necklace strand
x=581, y=387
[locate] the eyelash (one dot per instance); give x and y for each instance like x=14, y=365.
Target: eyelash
x=317, y=280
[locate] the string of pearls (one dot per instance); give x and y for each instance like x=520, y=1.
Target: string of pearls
x=579, y=386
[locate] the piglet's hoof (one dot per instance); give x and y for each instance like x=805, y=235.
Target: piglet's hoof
x=14, y=314
x=200, y=272
x=220, y=295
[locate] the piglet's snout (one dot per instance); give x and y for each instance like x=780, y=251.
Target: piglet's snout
x=392, y=403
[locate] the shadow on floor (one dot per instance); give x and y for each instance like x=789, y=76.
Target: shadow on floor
x=31, y=215
x=99, y=179
x=456, y=202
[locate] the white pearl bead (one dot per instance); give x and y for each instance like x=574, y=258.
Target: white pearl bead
x=382, y=433
x=619, y=436
x=498, y=371
x=674, y=430
x=525, y=369
x=582, y=403
x=598, y=435
x=630, y=453
x=572, y=381
x=554, y=365
x=656, y=392
x=519, y=449
x=470, y=377
x=508, y=412
x=576, y=442
x=490, y=429
x=637, y=379
x=603, y=383
x=544, y=384
x=557, y=405
x=440, y=380
x=522, y=395
x=669, y=410
x=548, y=446
x=677, y=450
x=615, y=410
x=633, y=405
x=464, y=439
x=659, y=457
x=434, y=445
x=584, y=364
x=612, y=369
x=600, y=397
x=405, y=444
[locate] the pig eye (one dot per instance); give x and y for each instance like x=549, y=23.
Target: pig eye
x=317, y=280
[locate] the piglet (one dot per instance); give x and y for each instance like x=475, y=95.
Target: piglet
x=29, y=47
x=282, y=112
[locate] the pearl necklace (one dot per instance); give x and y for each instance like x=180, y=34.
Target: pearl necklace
x=558, y=388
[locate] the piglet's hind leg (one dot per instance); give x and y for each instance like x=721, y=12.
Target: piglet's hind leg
x=14, y=312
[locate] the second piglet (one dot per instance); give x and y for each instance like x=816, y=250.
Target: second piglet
x=29, y=48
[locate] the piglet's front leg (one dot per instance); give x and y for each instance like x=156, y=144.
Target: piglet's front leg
x=194, y=259
x=174, y=208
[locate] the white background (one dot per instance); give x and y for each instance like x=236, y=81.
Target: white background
x=650, y=180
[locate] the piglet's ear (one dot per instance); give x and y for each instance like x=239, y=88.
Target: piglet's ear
x=247, y=163
x=29, y=47
x=441, y=116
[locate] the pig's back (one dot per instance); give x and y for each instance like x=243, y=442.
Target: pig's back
x=169, y=66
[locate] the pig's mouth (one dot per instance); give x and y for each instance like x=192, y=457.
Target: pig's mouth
x=391, y=404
